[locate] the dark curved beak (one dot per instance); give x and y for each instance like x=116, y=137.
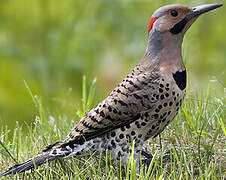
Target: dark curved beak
x=198, y=10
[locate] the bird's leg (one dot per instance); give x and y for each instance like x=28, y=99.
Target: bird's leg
x=148, y=156
x=166, y=156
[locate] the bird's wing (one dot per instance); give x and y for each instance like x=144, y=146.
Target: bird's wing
x=135, y=95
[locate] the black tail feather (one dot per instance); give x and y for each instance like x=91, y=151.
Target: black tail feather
x=30, y=164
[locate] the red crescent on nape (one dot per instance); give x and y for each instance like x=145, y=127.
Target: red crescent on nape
x=153, y=19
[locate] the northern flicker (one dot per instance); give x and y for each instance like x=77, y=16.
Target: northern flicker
x=142, y=105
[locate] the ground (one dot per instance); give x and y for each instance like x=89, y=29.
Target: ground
x=195, y=142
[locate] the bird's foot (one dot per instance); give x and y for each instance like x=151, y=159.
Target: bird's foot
x=168, y=156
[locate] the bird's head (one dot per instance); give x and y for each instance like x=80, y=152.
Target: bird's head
x=176, y=18
x=169, y=23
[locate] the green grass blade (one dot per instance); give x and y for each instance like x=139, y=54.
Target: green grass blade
x=223, y=126
x=91, y=94
x=189, y=119
x=5, y=148
x=30, y=93
x=84, y=94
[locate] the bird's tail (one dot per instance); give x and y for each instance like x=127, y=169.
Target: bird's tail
x=53, y=152
x=30, y=164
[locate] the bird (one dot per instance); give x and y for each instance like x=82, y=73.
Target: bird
x=142, y=105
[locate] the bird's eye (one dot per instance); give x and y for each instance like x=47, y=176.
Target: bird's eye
x=174, y=13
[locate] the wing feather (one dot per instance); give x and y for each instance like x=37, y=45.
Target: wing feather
x=132, y=97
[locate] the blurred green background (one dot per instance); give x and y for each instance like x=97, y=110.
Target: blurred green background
x=51, y=44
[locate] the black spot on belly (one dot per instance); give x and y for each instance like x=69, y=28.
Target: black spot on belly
x=180, y=78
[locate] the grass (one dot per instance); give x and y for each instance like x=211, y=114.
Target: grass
x=195, y=141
